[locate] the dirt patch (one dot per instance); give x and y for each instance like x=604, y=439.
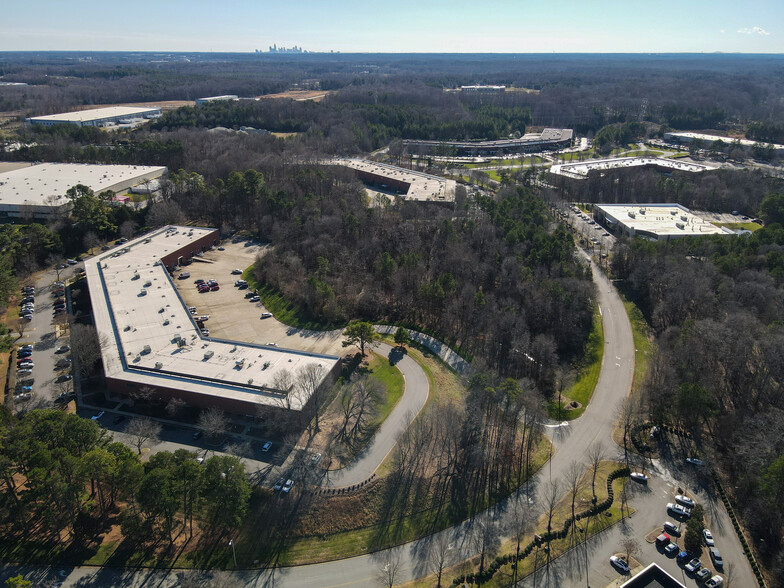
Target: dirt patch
x=315, y=95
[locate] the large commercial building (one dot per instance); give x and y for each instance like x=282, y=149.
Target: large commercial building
x=580, y=170
x=413, y=185
x=154, y=342
x=685, y=138
x=37, y=192
x=97, y=117
x=547, y=140
x=224, y=98
x=652, y=577
x=658, y=222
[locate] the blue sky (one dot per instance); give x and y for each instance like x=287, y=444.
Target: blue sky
x=503, y=26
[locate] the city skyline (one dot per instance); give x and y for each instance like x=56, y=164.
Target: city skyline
x=497, y=26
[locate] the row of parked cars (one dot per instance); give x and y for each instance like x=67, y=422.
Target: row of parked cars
x=251, y=296
x=682, y=508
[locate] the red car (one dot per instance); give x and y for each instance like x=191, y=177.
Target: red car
x=215, y=287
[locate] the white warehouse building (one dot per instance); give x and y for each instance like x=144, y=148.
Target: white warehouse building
x=97, y=117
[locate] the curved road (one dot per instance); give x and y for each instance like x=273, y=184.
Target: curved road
x=412, y=401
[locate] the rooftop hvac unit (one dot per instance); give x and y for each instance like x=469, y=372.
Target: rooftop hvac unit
x=208, y=354
x=684, y=218
x=673, y=212
x=680, y=225
x=146, y=350
x=158, y=365
x=642, y=211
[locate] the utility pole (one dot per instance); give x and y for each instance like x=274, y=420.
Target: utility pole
x=233, y=552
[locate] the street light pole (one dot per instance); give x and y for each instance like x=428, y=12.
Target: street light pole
x=234, y=553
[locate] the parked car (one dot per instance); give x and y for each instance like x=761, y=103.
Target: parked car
x=683, y=557
x=639, y=477
x=72, y=262
x=715, y=556
x=23, y=372
x=287, y=486
x=63, y=362
x=199, y=281
x=715, y=582
x=671, y=528
x=701, y=574
x=25, y=364
x=214, y=287
x=254, y=298
x=23, y=397
x=267, y=446
x=695, y=461
x=693, y=565
x=205, y=332
x=24, y=353
x=249, y=294
x=272, y=344
x=266, y=315
x=279, y=484
x=679, y=510
x=242, y=287
x=671, y=549
x=684, y=500
x=204, y=317
x=197, y=435
x=315, y=459
x=21, y=389
x=63, y=378
x=707, y=536
x=62, y=349
x=185, y=275
x=619, y=563
x=192, y=309
x=97, y=417
x=236, y=272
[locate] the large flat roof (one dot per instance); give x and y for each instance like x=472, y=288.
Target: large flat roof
x=580, y=170
x=144, y=330
x=97, y=114
x=660, y=219
x=711, y=138
x=45, y=184
x=546, y=137
x=652, y=577
x=421, y=186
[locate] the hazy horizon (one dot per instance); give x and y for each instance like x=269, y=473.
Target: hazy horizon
x=407, y=26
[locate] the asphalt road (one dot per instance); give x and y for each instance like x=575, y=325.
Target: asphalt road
x=412, y=401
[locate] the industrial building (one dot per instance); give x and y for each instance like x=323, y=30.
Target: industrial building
x=97, y=117
x=483, y=89
x=37, y=192
x=685, y=138
x=413, y=185
x=154, y=342
x=657, y=222
x=224, y=98
x=580, y=170
x=547, y=140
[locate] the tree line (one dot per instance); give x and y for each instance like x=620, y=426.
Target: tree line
x=64, y=477
x=717, y=370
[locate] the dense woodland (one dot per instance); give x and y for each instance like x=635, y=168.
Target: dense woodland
x=63, y=482
x=718, y=366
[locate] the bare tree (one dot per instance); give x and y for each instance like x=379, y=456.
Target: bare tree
x=20, y=326
x=631, y=548
x=595, y=457
x=626, y=419
x=522, y=524
x=213, y=422
x=85, y=347
x=144, y=430
x=550, y=497
x=485, y=538
x=57, y=264
x=174, y=406
x=128, y=229
x=437, y=554
x=574, y=482
x=90, y=241
x=142, y=395
x=389, y=568
x=309, y=385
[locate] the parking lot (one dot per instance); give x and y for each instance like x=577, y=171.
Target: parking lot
x=232, y=316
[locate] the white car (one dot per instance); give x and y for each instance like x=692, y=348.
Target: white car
x=708, y=537
x=684, y=500
x=638, y=477
x=715, y=582
x=693, y=565
x=287, y=486
x=695, y=461
x=619, y=563
x=678, y=509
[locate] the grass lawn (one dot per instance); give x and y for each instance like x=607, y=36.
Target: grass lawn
x=392, y=380
x=749, y=226
x=643, y=342
x=587, y=375
x=281, y=308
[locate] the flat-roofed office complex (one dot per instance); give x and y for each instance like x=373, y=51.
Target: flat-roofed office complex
x=413, y=185
x=547, y=140
x=38, y=191
x=659, y=222
x=580, y=170
x=686, y=137
x=96, y=117
x=154, y=342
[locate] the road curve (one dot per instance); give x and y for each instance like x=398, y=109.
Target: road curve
x=570, y=442
x=413, y=399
